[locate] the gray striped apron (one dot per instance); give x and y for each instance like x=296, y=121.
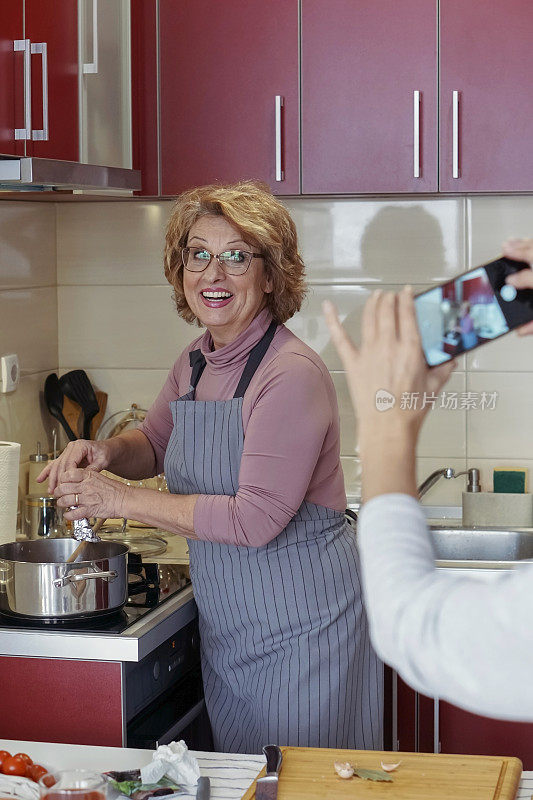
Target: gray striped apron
x=286, y=656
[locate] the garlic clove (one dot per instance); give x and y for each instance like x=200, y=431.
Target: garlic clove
x=343, y=769
x=390, y=767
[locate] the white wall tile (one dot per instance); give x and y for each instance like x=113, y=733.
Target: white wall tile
x=443, y=432
x=510, y=353
x=492, y=220
x=120, y=326
x=111, y=243
x=389, y=241
x=28, y=318
x=27, y=244
x=309, y=323
x=24, y=417
x=351, y=468
x=507, y=431
x=28, y=327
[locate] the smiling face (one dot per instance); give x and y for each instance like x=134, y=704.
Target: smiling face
x=225, y=304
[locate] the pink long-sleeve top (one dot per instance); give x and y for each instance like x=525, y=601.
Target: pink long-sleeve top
x=291, y=433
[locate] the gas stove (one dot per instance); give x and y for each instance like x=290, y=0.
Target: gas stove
x=149, y=586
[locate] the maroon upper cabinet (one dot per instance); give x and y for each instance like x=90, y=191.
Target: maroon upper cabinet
x=39, y=79
x=486, y=96
x=364, y=126
x=54, y=45
x=223, y=66
x=12, y=116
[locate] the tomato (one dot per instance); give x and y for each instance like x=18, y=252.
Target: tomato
x=14, y=766
x=35, y=772
x=49, y=781
x=3, y=754
x=25, y=757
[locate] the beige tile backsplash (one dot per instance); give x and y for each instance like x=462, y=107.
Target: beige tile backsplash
x=28, y=318
x=82, y=285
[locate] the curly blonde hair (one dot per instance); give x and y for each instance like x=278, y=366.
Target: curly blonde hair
x=263, y=222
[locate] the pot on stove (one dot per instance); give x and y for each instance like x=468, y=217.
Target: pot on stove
x=37, y=582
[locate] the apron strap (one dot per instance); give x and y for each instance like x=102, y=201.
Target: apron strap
x=254, y=359
x=197, y=362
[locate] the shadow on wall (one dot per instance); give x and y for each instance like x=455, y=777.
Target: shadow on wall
x=397, y=245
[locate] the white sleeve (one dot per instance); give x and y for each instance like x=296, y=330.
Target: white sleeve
x=457, y=638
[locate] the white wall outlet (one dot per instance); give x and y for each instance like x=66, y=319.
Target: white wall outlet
x=9, y=373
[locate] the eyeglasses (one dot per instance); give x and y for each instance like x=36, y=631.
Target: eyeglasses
x=233, y=262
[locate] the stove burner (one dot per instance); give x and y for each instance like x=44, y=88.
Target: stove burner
x=104, y=620
x=149, y=585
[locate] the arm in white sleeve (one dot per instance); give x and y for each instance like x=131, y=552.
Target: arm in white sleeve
x=461, y=639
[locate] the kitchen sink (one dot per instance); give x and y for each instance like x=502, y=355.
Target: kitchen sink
x=481, y=547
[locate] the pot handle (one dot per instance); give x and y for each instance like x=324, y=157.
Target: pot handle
x=73, y=577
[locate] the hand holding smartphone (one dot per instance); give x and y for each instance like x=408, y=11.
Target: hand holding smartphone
x=472, y=309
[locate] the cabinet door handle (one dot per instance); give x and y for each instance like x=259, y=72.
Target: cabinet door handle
x=41, y=48
x=455, y=135
x=279, y=171
x=91, y=67
x=24, y=45
x=416, y=134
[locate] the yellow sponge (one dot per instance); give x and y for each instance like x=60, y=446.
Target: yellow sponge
x=510, y=480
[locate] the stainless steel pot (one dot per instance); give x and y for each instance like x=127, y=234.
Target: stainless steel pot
x=37, y=582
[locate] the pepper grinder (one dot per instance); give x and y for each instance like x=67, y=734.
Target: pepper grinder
x=37, y=464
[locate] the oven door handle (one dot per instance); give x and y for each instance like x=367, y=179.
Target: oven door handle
x=171, y=734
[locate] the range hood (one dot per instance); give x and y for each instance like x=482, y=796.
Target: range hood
x=20, y=173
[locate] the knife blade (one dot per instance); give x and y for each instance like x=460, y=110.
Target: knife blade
x=203, y=791
x=267, y=787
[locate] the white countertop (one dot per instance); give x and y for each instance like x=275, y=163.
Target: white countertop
x=230, y=774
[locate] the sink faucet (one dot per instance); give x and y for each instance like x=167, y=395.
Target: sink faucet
x=447, y=472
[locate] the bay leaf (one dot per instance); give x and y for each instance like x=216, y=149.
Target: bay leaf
x=373, y=775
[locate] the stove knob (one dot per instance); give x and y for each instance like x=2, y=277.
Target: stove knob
x=157, y=670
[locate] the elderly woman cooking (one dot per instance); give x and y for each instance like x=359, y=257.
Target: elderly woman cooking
x=247, y=430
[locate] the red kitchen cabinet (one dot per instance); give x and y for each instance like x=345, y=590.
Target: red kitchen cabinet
x=54, y=38
x=229, y=93
x=39, y=79
x=373, y=116
x=11, y=77
x=485, y=96
x=144, y=103
x=421, y=724
x=364, y=127
x=59, y=700
x=462, y=732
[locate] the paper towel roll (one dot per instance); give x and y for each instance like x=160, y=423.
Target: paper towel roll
x=9, y=484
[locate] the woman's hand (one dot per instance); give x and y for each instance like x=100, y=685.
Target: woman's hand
x=385, y=376
x=94, y=495
x=81, y=453
x=520, y=250
x=389, y=367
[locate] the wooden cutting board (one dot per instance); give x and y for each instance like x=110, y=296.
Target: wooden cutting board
x=308, y=774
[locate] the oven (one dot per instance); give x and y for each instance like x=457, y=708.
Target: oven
x=164, y=695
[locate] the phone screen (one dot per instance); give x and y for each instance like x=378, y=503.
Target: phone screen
x=472, y=309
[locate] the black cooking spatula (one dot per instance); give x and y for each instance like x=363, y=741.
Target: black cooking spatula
x=77, y=386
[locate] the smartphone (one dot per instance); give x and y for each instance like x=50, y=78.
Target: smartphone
x=472, y=309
